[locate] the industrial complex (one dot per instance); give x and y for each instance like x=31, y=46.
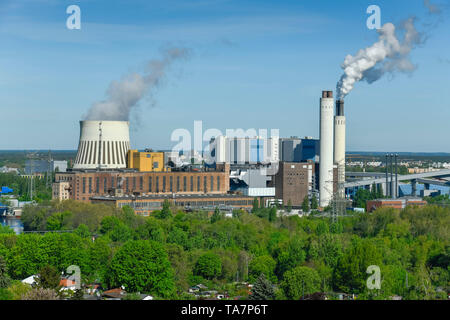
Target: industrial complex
x=234, y=172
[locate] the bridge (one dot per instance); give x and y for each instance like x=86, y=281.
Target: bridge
x=380, y=178
x=356, y=180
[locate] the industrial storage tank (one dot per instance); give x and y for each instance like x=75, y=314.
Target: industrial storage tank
x=103, y=145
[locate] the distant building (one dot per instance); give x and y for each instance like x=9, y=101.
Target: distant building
x=5, y=169
x=294, y=149
x=42, y=166
x=145, y=204
x=254, y=150
x=291, y=149
x=61, y=190
x=399, y=203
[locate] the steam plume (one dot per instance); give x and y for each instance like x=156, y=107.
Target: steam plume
x=388, y=54
x=123, y=95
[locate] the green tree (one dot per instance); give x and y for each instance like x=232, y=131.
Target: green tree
x=314, y=202
x=262, y=265
x=6, y=230
x=18, y=289
x=289, y=206
x=48, y=278
x=300, y=281
x=361, y=197
x=142, y=265
x=5, y=280
x=262, y=289
x=272, y=214
x=255, y=205
x=373, y=192
x=165, y=212
x=208, y=266
x=178, y=236
x=305, y=204
x=83, y=231
x=289, y=255
x=217, y=215
x=350, y=273
x=380, y=193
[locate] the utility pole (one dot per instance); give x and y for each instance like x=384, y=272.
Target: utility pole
x=396, y=176
x=49, y=169
x=387, y=175
x=392, y=176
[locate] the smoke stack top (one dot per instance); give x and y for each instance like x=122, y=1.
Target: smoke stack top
x=340, y=107
x=124, y=95
x=327, y=94
x=388, y=54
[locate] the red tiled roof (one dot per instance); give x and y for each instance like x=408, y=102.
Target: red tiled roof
x=66, y=283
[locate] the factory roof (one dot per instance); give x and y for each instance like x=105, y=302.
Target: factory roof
x=169, y=196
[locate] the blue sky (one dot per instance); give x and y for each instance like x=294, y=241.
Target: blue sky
x=253, y=64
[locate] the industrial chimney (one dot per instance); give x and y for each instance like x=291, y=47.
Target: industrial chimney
x=326, y=148
x=339, y=145
x=102, y=145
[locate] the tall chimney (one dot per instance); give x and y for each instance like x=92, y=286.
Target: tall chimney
x=339, y=145
x=326, y=148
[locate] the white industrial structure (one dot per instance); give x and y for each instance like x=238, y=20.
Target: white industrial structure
x=339, y=145
x=103, y=145
x=326, y=148
x=246, y=150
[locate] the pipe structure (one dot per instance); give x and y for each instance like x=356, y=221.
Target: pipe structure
x=326, y=148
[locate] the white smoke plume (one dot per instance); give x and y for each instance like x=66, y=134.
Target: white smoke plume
x=388, y=54
x=123, y=95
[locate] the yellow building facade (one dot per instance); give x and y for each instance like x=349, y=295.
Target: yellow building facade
x=146, y=161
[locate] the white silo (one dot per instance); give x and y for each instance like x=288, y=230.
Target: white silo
x=103, y=145
x=339, y=145
x=326, y=148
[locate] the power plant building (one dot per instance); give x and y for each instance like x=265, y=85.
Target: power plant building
x=295, y=149
x=103, y=145
x=146, y=160
x=255, y=150
x=294, y=181
x=89, y=183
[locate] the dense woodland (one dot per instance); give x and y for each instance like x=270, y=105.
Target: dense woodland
x=169, y=251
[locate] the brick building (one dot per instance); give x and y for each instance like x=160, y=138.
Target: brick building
x=294, y=181
x=89, y=183
x=399, y=203
x=143, y=205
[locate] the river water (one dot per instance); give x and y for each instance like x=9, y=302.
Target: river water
x=12, y=222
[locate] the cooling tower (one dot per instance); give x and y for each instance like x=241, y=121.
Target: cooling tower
x=339, y=145
x=326, y=148
x=103, y=145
